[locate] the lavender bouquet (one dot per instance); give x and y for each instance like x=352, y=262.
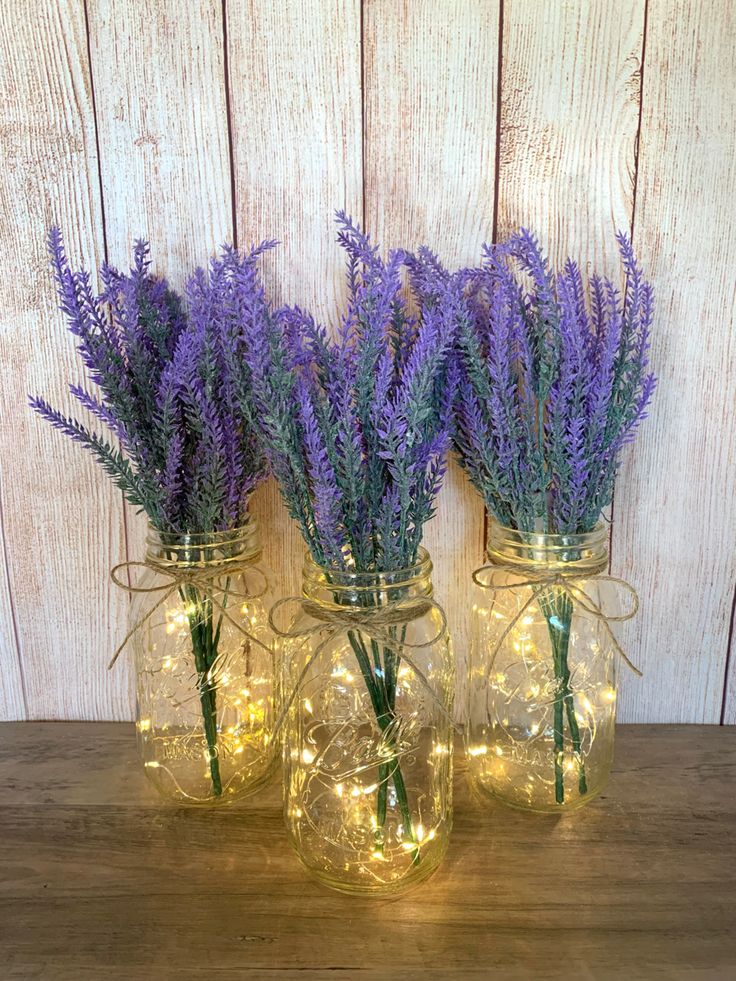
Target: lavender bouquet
x=553, y=385
x=174, y=396
x=357, y=429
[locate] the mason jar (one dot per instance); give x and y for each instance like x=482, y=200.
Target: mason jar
x=205, y=674
x=543, y=670
x=368, y=736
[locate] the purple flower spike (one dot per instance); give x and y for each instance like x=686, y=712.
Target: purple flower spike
x=174, y=390
x=552, y=384
x=357, y=429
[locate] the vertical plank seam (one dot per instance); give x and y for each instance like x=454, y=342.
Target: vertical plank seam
x=637, y=143
x=97, y=132
x=497, y=154
x=229, y=118
x=105, y=253
x=729, y=648
x=496, y=193
x=13, y=614
x=362, y=116
x=634, y=192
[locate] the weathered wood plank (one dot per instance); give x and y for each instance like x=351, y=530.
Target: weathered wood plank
x=12, y=696
x=675, y=512
x=430, y=142
x=97, y=876
x=159, y=77
x=162, y=115
x=570, y=92
x=294, y=76
x=61, y=519
x=569, y=113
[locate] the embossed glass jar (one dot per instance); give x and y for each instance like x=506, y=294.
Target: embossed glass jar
x=543, y=670
x=368, y=738
x=206, y=682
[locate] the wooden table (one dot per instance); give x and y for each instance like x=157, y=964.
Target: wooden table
x=101, y=881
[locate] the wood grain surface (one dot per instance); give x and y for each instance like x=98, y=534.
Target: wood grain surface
x=98, y=879
x=161, y=108
x=675, y=514
x=61, y=518
x=570, y=90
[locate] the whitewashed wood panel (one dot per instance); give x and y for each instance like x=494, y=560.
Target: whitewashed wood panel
x=569, y=114
x=62, y=520
x=430, y=90
x=160, y=97
x=294, y=79
x=12, y=695
x=675, y=521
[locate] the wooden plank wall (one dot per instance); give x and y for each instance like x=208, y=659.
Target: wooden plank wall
x=443, y=121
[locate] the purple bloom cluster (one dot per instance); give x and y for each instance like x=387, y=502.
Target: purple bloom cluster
x=357, y=429
x=553, y=383
x=173, y=389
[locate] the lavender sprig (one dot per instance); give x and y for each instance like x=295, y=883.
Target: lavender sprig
x=552, y=386
x=357, y=428
x=173, y=390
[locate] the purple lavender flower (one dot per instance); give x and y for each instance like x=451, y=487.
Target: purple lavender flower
x=174, y=391
x=551, y=386
x=357, y=429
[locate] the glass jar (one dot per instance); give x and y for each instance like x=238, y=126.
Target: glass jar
x=543, y=670
x=205, y=666
x=368, y=735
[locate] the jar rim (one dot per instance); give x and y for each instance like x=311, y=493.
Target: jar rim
x=597, y=535
x=234, y=545
x=175, y=539
x=582, y=551
x=357, y=579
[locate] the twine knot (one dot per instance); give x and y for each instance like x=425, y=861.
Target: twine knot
x=205, y=578
x=332, y=621
x=570, y=583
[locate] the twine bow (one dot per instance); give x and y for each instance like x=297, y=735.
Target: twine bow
x=576, y=593
x=373, y=622
x=204, y=579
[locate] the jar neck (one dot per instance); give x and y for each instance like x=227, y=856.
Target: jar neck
x=215, y=548
x=586, y=553
x=366, y=590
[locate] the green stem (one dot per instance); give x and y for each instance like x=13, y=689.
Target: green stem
x=559, y=737
x=558, y=613
x=204, y=650
x=391, y=767
x=390, y=679
x=384, y=770
x=572, y=721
